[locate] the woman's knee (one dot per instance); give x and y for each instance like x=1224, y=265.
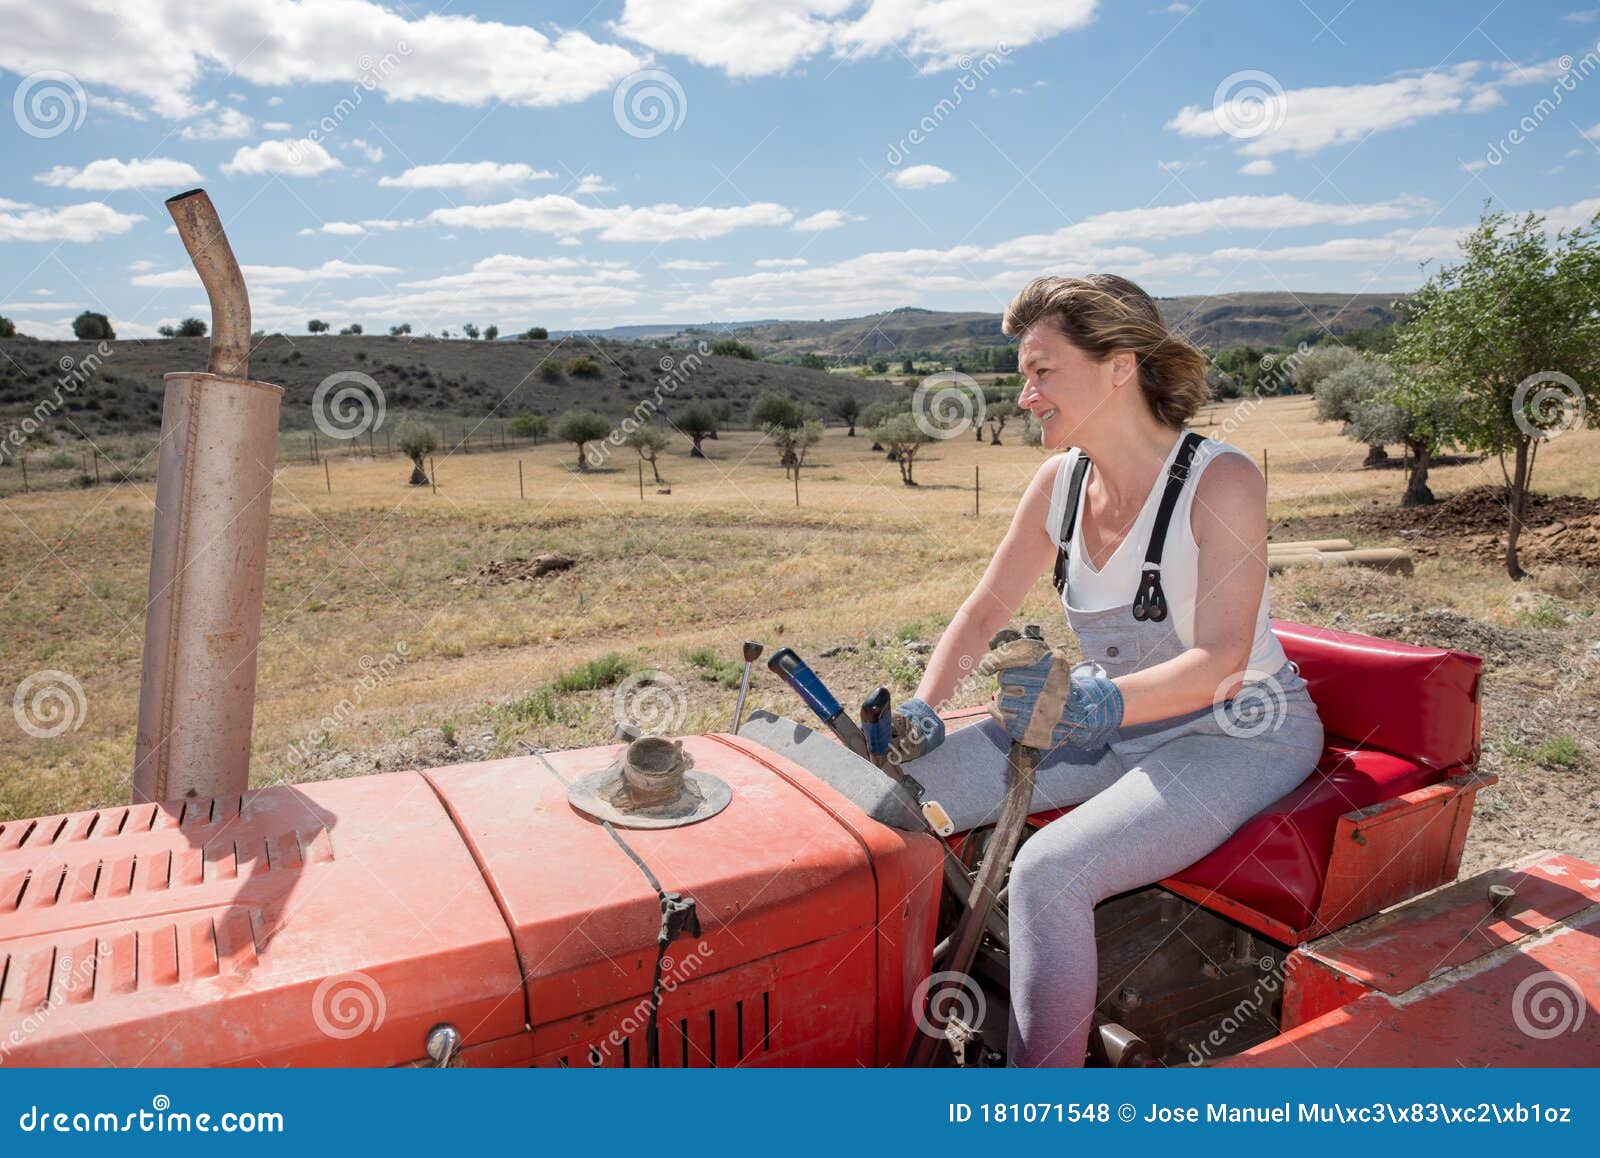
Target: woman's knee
x=1048, y=869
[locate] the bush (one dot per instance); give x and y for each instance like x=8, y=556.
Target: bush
x=529, y=426
x=609, y=669
x=550, y=370
x=88, y=327
x=582, y=367
x=536, y=334
x=730, y=348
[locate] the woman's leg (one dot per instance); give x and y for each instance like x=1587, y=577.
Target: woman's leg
x=1180, y=801
x=967, y=775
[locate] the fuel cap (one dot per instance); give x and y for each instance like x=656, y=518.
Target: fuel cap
x=652, y=784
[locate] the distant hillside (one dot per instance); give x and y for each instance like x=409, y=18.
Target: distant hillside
x=1219, y=321
x=425, y=375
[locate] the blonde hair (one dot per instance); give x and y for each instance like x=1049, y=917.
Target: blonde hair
x=1103, y=313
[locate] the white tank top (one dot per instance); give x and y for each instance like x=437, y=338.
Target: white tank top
x=1114, y=584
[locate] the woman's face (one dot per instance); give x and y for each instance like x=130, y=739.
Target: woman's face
x=1064, y=386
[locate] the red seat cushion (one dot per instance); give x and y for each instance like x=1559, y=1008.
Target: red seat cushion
x=1397, y=718
x=1277, y=862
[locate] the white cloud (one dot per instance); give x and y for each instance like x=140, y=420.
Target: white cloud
x=825, y=219
x=688, y=264
x=274, y=101
x=110, y=173
x=591, y=183
x=101, y=102
x=276, y=127
x=297, y=158
x=225, y=125
x=564, y=216
x=1258, y=168
x=921, y=176
x=780, y=262
x=371, y=152
x=268, y=275
x=465, y=175
x=160, y=52
x=89, y=221
x=761, y=38
x=1308, y=119
x=513, y=289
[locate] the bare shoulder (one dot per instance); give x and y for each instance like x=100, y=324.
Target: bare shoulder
x=1044, y=478
x=1231, y=480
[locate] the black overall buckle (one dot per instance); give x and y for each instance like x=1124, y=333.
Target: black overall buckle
x=1150, y=602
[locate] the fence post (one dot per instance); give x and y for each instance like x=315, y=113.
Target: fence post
x=797, y=484
x=433, y=475
x=23, y=459
x=97, y=467
x=327, y=476
x=975, y=499
x=641, y=480
x=521, y=494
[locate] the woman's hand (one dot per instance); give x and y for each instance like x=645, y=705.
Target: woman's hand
x=917, y=730
x=1044, y=702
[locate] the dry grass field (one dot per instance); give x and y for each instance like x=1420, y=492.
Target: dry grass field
x=384, y=647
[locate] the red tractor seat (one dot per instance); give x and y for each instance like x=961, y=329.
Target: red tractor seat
x=1398, y=719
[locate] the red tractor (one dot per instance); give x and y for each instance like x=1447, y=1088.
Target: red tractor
x=762, y=898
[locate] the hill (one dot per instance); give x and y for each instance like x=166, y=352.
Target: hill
x=1219, y=321
x=424, y=375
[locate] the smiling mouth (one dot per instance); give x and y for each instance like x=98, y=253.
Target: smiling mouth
x=1044, y=415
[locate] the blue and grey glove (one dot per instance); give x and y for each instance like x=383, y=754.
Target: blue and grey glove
x=1045, y=702
x=918, y=730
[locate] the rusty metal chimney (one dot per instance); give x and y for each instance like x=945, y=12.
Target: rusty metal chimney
x=208, y=553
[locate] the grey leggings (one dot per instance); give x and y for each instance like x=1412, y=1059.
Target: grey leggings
x=1150, y=805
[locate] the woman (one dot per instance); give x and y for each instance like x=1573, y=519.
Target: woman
x=1186, y=718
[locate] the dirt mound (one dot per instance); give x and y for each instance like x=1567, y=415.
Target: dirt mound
x=1440, y=627
x=1557, y=528
x=503, y=572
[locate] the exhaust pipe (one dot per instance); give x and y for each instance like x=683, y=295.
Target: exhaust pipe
x=208, y=552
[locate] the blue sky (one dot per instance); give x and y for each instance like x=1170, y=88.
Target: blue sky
x=688, y=160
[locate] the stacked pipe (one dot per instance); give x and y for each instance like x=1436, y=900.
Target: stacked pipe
x=1336, y=553
x=208, y=551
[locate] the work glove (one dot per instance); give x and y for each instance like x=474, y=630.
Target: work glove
x=917, y=730
x=1044, y=702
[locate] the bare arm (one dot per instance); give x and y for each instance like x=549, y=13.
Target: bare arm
x=1023, y=555
x=1229, y=519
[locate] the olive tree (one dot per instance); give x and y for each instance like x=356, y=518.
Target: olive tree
x=649, y=441
x=1504, y=346
x=698, y=422
x=581, y=427
x=1372, y=412
x=1340, y=392
x=417, y=441
x=904, y=436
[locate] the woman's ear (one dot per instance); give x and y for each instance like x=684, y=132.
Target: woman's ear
x=1124, y=367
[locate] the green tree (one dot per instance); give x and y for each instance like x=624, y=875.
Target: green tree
x=847, y=408
x=1317, y=362
x=1345, y=389
x=90, y=327
x=698, y=422
x=813, y=362
x=317, y=326
x=490, y=333
x=536, y=334
x=582, y=367
x=526, y=425
x=417, y=441
x=732, y=348
x=1363, y=397
x=996, y=414
x=190, y=328
x=400, y=331
x=876, y=415
x=581, y=427
x=354, y=328
x=904, y=436
x=649, y=441
x=780, y=418
x=8, y=328
x=470, y=330
x=1505, y=344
